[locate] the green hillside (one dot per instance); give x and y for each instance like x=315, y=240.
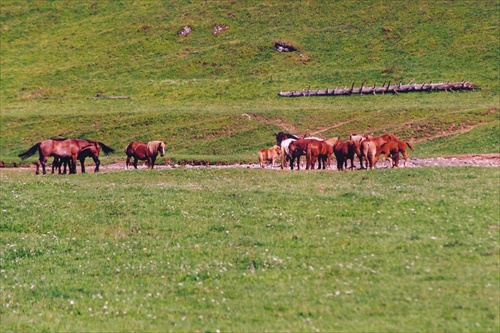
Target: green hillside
x=215, y=96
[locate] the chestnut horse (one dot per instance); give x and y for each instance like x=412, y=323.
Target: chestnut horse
x=345, y=150
x=393, y=149
x=66, y=149
x=377, y=140
x=92, y=150
x=298, y=148
x=144, y=152
x=320, y=151
x=269, y=155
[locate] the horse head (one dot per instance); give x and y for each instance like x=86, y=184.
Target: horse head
x=161, y=148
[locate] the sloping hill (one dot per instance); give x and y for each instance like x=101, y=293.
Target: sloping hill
x=192, y=91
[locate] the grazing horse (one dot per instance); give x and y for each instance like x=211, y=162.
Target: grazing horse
x=142, y=151
x=281, y=136
x=393, y=149
x=269, y=155
x=66, y=149
x=345, y=150
x=320, y=151
x=91, y=150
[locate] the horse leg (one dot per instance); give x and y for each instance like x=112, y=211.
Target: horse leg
x=153, y=160
x=42, y=161
x=405, y=156
x=97, y=163
x=135, y=162
x=72, y=167
x=127, y=163
x=340, y=162
x=82, y=164
x=361, y=161
x=54, y=164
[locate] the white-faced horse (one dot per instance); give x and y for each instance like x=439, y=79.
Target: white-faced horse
x=144, y=152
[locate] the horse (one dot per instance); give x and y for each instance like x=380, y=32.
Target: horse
x=377, y=140
x=144, y=151
x=88, y=151
x=297, y=149
x=68, y=149
x=368, y=151
x=285, y=152
x=345, y=150
x=269, y=155
x=281, y=136
x=393, y=149
x=320, y=151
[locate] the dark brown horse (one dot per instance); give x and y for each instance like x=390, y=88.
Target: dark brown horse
x=67, y=149
x=345, y=150
x=142, y=151
x=281, y=136
x=298, y=148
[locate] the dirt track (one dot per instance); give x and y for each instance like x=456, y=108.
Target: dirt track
x=480, y=160
x=483, y=160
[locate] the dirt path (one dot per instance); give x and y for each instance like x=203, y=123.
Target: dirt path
x=480, y=160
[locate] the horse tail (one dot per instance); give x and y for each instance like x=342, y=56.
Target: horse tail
x=106, y=149
x=409, y=145
x=30, y=151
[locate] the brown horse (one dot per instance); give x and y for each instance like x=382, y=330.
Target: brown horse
x=393, y=149
x=345, y=150
x=320, y=151
x=377, y=140
x=91, y=150
x=144, y=152
x=269, y=155
x=66, y=149
x=298, y=148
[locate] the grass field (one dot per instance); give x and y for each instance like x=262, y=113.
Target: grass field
x=247, y=250
x=242, y=249
x=193, y=92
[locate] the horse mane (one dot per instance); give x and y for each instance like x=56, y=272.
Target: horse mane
x=153, y=146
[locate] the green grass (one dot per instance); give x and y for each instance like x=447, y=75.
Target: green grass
x=238, y=249
x=191, y=92
x=247, y=250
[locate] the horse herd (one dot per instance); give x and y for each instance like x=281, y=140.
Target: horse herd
x=66, y=152
x=366, y=147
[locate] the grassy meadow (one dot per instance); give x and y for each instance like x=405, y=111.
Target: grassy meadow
x=246, y=250
x=239, y=249
x=214, y=97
